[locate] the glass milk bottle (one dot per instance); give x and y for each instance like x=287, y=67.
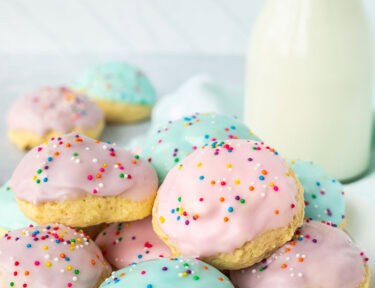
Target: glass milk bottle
x=309, y=82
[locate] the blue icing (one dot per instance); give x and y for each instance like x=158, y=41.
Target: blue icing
x=165, y=147
x=324, y=196
x=11, y=217
x=168, y=273
x=117, y=82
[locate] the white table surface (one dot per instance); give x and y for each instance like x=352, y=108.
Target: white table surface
x=19, y=74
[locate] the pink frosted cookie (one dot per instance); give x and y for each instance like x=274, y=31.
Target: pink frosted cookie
x=80, y=182
x=51, y=256
x=231, y=203
x=319, y=256
x=127, y=243
x=49, y=112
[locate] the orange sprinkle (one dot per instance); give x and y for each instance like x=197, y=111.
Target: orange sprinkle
x=68, y=145
x=284, y=266
x=251, y=188
x=287, y=250
x=57, y=153
x=222, y=199
x=134, y=161
x=264, y=172
x=226, y=219
x=292, y=243
x=220, y=278
x=277, y=212
x=300, y=259
x=27, y=273
x=93, y=262
x=97, y=141
x=213, y=182
x=205, y=267
x=62, y=255
x=98, y=175
x=122, y=274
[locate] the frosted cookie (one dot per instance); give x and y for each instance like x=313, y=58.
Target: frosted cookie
x=168, y=273
x=123, y=91
x=166, y=147
x=128, y=243
x=199, y=94
x=11, y=217
x=51, y=256
x=324, y=196
x=49, y=112
x=319, y=256
x=80, y=182
x=231, y=204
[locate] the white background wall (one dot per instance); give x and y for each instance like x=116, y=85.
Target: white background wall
x=128, y=26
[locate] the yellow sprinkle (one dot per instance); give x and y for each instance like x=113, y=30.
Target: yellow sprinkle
x=184, y=274
x=71, y=248
x=237, y=181
x=199, y=164
x=48, y=264
x=186, y=124
x=181, y=211
x=293, y=162
x=229, y=165
x=127, y=225
x=68, y=267
x=34, y=178
x=162, y=220
x=287, y=174
x=104, y=165
x=45, y=247
x=272, y=184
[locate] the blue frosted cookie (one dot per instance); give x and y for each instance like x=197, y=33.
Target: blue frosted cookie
x=167, y=146
x=168, y=273
x=11, y=217
x=324, y=196
x=122, y=91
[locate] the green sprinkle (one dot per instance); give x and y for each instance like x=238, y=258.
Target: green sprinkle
x=242, y=201
x=39, y=171
x=196, y=277
x=122, y=175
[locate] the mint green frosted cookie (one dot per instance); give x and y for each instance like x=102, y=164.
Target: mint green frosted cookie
x=324, y=195
x=11, y=217
x=168, y=273
x=123, y=91
x=165, y=147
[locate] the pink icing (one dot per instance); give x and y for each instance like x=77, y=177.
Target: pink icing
x=131, y=242
x=72, y=166
x=50, y=256
x=319, y=256
x=53, y=108
x=220, y=197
